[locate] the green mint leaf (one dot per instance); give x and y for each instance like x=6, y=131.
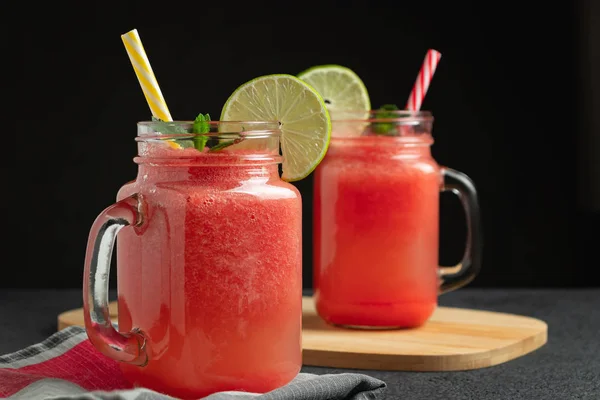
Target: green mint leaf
x=222, y=145
x=385, y=112
x=201, y=125
x=167, y=128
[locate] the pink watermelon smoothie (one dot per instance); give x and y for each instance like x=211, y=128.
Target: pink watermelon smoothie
x=376, y=205
x=213, y=278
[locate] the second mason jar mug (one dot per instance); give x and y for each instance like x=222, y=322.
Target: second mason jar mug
x=209, y=269
x=376, y=223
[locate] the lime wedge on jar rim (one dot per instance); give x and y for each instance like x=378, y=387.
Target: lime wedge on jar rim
x=302, y=114
x=342, y=90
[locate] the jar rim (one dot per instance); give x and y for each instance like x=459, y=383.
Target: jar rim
x=362, y=140
x=402, y=117
x=214, y=129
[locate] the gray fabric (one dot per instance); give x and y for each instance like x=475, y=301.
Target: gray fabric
x=342, y=386
x=567, y=367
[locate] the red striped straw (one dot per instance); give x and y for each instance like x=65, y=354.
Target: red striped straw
x=432, y=58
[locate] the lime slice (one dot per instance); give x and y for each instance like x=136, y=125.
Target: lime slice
x=343, y=91
x=301, y=112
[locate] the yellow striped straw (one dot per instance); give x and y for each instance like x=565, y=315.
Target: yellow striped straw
x=145, y=75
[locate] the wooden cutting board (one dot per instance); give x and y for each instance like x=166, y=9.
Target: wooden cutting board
x=454, y=339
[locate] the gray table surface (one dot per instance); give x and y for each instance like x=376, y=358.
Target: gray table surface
x=567, y=367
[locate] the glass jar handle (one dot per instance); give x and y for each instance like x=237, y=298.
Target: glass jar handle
x=464, y=272
x=125, y=347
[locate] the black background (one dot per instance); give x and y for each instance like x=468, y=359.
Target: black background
x=511, y=100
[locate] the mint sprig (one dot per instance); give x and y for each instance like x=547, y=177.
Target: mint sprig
x=201, y=125
x=385, y=112
x=167, y=128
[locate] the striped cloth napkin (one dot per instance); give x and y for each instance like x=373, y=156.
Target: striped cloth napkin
x=67, y=366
